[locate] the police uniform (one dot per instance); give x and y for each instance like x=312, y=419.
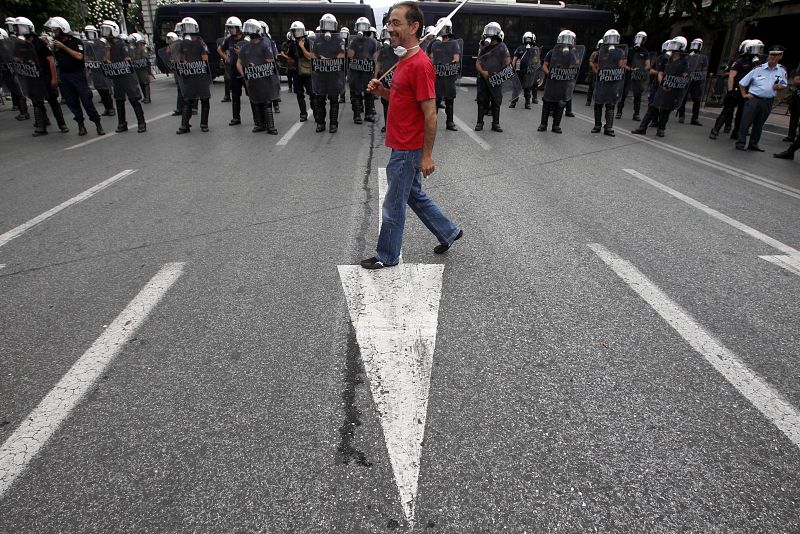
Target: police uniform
x=760, y=86
x=72, y=81
x=231, y=47
x=302, y=80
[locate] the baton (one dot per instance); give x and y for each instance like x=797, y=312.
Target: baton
x=434, y=31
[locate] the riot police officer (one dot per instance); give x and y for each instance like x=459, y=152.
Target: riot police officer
x=229, y=52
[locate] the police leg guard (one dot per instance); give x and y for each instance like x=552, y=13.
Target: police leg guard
x=496, y=117
x=236, y=111
x=58, y=114
x=448, y=112
x=146, y=92
x=527, y=99
x=122, y=124
x=637, y=106
x=648, y=116
x=38, y=119
x=609, y=128
x=545, y=116
x=108, y=102
x=270, y=120
x=205, y=109
x=696, y=113
x=558, y=112
x=357, y=104
x=598, y=118
x=137, y=109
x=258, y=123
x=334, y=116
x=369, y=107
x=663, y=117
x=301, y=103
x=481, y=113
x=186, y=116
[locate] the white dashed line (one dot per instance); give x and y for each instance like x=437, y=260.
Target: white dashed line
x=791, y=261
x=34, y=431
x=109, y=135
x=754, y=388
x=475, y=137
x=289, y=134
x=21, y=229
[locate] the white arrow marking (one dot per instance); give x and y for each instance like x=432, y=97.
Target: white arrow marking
x=790, y=262
x=395, y=313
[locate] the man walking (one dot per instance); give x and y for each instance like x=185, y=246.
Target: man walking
x=410, y=133
x=758, y=89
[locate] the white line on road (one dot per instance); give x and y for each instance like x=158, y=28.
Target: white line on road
x=697, y=158
x=793, y=257
x=395, y=315
x=289, y=134
x=754, y=388
x=32, y=434
x=111, y=134
x=21, y=229
x=469, y=131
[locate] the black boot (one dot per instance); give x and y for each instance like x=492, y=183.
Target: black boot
x=227, y=97
x=186, y=116
x=545, y=117
x=59, y=116
x=642, y=129
x=496, y=118
x=99, y=127
x=81, y=128
x=108, y=103
x=319, y=113
x=598, y=118
x=448, y=112
x=663, y=116
x=137, y=109
x=356, y=104
x=39, y=128
x=301, y=103
x=609, y=128
x=122, y=125
x=258, y=121
x=146, y=93
x=513, y=104
x=369, y=108
x=557, y=114
x=236, y=109
x=205, y=109
x=22, y=106
x=270, y=121
x=334, y=116
x=481, y=113
x=637, y=106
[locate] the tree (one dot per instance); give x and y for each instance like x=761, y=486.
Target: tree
x=41, y=10
x=658, y=17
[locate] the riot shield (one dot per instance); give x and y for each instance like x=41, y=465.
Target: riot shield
x=387, y=59
x=327, y=68
x=565, y=62
x=533, y=59
x=260, y=72
x=141, y=64
x=119, y=69
x=165, y=59
x=25, y=64
x=6, y=53
x=191, y=70
x=446, y=57
x=640, y=74
x=675, y=83
x=361, y=66
x=610, y=74
x=94, y=52
x=502, y=78
x=700, y=72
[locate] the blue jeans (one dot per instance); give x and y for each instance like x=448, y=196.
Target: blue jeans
x=405, y=186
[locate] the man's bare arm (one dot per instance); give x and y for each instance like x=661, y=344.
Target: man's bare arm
x=427, y=166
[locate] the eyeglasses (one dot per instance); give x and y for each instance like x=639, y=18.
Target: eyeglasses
x=395, y=23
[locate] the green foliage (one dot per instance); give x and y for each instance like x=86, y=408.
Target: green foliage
x=41, y=10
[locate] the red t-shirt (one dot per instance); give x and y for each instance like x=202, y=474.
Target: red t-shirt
x=413, y=82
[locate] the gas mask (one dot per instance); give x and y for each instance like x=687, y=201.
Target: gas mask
x=401, y=51
x=327, y=36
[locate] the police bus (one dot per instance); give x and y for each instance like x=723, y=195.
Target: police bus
x=544, y=18
x=279, y=15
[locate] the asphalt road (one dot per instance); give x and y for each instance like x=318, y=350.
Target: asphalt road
x=566, y=393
